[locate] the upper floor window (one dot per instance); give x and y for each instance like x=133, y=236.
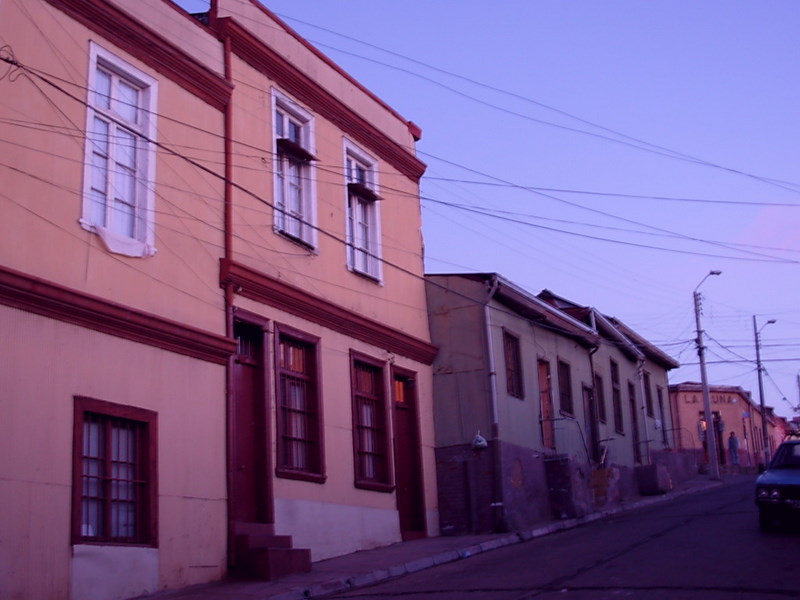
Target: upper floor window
x=363, y=235
x=114, y=474
x=294, y=198
x=513, y=360
x=119, y=164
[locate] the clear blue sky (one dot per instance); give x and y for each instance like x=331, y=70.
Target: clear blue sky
x=613, y=152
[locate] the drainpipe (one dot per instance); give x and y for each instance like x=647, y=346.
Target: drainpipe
x=594, y=427
x=642, y=393
x=229, y=287
x=498, y=508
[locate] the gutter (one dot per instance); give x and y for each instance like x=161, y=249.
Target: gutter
x=498, y=507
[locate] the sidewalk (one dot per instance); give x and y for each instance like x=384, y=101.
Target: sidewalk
x=370, y=566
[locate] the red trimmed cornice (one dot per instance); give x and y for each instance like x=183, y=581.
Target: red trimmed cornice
x=130, y=35
x=278, y=294
x=51, y=300
x=264, y=59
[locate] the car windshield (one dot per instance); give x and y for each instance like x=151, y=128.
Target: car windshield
x=786, y=457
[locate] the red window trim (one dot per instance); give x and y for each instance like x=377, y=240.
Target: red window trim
x=385, y=483
x=280, y=471
x=148, y=534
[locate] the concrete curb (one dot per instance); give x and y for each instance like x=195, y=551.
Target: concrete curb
x=420, y=564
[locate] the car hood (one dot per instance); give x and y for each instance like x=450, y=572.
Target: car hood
x=779, y=477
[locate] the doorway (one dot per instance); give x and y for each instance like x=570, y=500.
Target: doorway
x=407, y=456
x=250, y=494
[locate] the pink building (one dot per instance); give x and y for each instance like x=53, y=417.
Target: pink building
x=211, y=301
x=733, y=409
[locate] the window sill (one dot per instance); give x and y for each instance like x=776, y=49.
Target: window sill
x=301, y=476
x=366, y=275
x=307, y=244
x=374, y=486
x=120, y=244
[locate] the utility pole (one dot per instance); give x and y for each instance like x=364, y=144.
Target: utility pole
x=764, y=434
x=711, y=439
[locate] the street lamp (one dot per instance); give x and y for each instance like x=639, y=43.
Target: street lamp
x=711, y=440
x=765, y=437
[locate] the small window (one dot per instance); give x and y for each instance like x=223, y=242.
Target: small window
x=363, y=218
x=299, y=422
x=294, y=160
x=370, y=433
x=119, y=165
x=114, y=474
x=513, y=360
x=565, y=387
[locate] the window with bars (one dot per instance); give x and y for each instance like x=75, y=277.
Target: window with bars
x=363, y=239
x=565, y=387
x=114, y=474
x=616, y=397
x=119, y=165
x=294, y=159
x=513, y=360
x=370, y=432
x=299, y=423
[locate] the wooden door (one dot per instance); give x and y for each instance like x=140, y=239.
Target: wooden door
x=407, y=456
x=546, y=422
x=250, y=497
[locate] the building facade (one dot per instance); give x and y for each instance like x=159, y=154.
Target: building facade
x=216, y=349
x=572, y=405
x=733, y=411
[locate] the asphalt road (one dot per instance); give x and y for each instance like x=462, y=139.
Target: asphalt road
x=701, y=546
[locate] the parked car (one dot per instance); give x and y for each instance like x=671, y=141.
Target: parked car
x=778, y=487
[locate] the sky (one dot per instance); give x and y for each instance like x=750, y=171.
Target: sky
x=612, y=152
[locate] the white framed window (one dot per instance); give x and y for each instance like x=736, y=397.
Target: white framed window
x=119, y=161
x=293, y=134
x=363, y=212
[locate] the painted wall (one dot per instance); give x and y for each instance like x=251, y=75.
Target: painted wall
x=43, y=144
x=45, y=363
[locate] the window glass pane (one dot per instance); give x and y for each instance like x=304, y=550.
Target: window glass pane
x=127, y=102
x=279, y=124
x=102, y=86
x=123, y=218
x=125, y=148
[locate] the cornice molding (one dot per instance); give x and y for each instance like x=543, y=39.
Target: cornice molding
x=52, y=300
x=278, y=294
x=132, y=36
x=265, y=60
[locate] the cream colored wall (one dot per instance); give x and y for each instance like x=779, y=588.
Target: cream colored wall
x=44, y=364
x=400, y=298
x=40, y=233
x=250, y=16
x=354, y=518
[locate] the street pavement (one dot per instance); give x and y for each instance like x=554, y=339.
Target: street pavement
x=367, y=567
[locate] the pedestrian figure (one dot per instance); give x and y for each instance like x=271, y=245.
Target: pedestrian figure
x=733, y=448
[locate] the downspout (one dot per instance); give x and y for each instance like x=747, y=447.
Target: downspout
x=642, y=393
x=229, y=287
x=595, y=426
x=498, y=507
